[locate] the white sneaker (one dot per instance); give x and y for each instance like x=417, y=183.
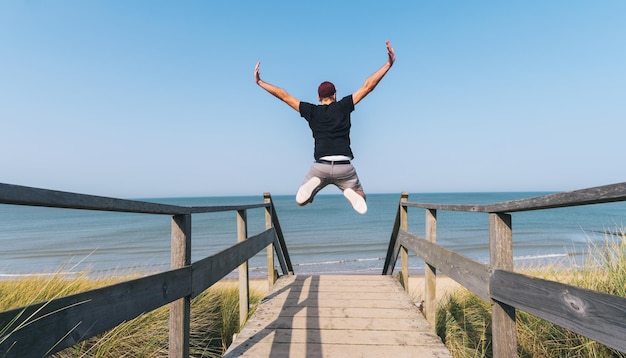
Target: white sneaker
x=357, y=201
x=306, y=190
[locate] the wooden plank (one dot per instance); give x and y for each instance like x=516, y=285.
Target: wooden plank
x=337, y=301
x=244, y=282
x=271, y=270
x=338, y=312
x=208, y=271
x=364, y=283
x=379, y=292
x=340, y=296
x=282, y=255
x=317, y=350
x=392, y=250
x=302, y=321
x=69, y=320
x=503, y=327
x=347, y=286
x=599, y=316
x=180, y=310
x=318, y=316
x=404, y=254
x=351, y=278
x=22, y=195
x=446, y=207
x=359, y=287
x=281, y=246
x=596, y=195
x=214, y=209
x=469, y=273
x=430, y=271
x=367, y=337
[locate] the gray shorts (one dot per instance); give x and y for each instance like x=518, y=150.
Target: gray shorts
x=341, y=175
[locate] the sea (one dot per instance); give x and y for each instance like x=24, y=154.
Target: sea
x=325, y=237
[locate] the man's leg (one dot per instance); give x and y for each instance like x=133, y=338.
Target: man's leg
x=345, y=177
x=305, y=193
x=357, y=199
x=313, y=182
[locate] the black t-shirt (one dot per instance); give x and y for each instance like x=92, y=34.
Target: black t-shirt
x=330, y=125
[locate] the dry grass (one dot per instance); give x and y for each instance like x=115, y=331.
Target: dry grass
x=214, y=318
x=464, y=320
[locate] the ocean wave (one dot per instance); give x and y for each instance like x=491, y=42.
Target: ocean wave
x=537, y=257
x=336, y=262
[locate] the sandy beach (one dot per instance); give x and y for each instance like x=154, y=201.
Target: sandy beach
x=445, y=286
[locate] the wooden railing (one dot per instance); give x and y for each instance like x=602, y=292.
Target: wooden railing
x=47, y=327
x=598, y=316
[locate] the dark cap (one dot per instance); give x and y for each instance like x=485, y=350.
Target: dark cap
x=326, y=89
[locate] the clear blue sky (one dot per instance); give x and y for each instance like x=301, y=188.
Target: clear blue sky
x=155, y=98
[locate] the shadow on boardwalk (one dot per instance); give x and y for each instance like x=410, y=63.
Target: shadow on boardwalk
x=335, y=316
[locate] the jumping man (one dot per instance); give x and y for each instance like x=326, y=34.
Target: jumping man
x=330, y=124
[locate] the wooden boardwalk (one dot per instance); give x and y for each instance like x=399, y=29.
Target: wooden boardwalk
x=337, y=316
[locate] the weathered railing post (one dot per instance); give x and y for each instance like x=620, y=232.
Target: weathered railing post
x=244, y=285
x=271, y=270
x=179, y=323
x=404, y=253
x=503, y=330
x=430, y=272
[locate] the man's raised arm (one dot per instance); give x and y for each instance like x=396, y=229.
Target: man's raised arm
x=372, y=81
x=278, y=92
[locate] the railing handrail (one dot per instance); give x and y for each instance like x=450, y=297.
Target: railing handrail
x=28, y=196
x=596, y=315
x=596, y=195
x=71, y=319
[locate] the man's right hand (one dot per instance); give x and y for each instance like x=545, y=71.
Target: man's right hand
x=391, y=53
x=257, y=75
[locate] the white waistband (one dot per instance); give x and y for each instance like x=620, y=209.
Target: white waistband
x=334, y=158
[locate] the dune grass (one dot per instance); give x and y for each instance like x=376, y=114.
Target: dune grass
x=214, y=318
x=464, y=319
